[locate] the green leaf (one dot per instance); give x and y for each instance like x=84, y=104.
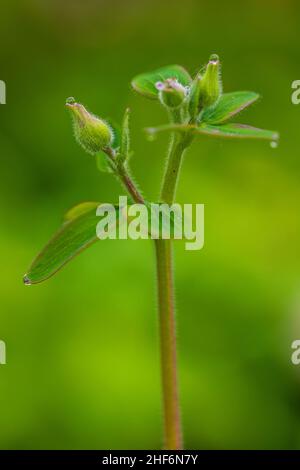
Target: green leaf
x=145, y=82
x=222, y=130
x=228, y=105
x=194, y=93
x=79, y=231
x=76, y=234
x=152, y=131
x=241, y=131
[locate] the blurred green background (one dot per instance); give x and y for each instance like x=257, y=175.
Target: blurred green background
x=82, y=349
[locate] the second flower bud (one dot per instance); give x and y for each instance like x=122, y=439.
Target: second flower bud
x=91, y=132
x=171, y=93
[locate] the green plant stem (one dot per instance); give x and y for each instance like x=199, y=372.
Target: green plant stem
x=128, y=183
x=165, y=286
x=178, y=144
x=121, y=171
x=166, y=304
x=169, y=185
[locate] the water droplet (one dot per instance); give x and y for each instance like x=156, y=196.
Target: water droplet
x=26, y=280
x=150, y=133
x=70, y=100
x=214, y=58
x=274, y=144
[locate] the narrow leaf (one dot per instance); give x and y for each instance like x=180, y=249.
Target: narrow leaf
x=145, y=82
x=194, y=93
x=241, y=131
x=125, y=138
x=228, y=105
x=151, y=131
x=76, y=234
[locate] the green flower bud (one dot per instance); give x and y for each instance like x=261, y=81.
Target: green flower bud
x=91, y=132
x=210, y=86
x=171, y=93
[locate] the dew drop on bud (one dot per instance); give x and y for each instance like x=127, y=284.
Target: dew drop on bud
x=214, y=58
x=70, y=100
x=274, y=144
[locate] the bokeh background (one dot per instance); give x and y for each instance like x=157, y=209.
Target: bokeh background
x=82, y=348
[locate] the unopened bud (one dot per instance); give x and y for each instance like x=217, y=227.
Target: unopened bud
x=210, y=87
x=91, y=132
x=171, y=93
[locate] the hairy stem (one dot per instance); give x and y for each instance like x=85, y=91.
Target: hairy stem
x=165, y=287
x=166, y=304
x=172, y=421
x=169, y=185
x=124, y=177
x=128, y=183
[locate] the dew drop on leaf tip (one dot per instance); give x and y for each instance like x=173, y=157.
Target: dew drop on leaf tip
x=26, y=280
